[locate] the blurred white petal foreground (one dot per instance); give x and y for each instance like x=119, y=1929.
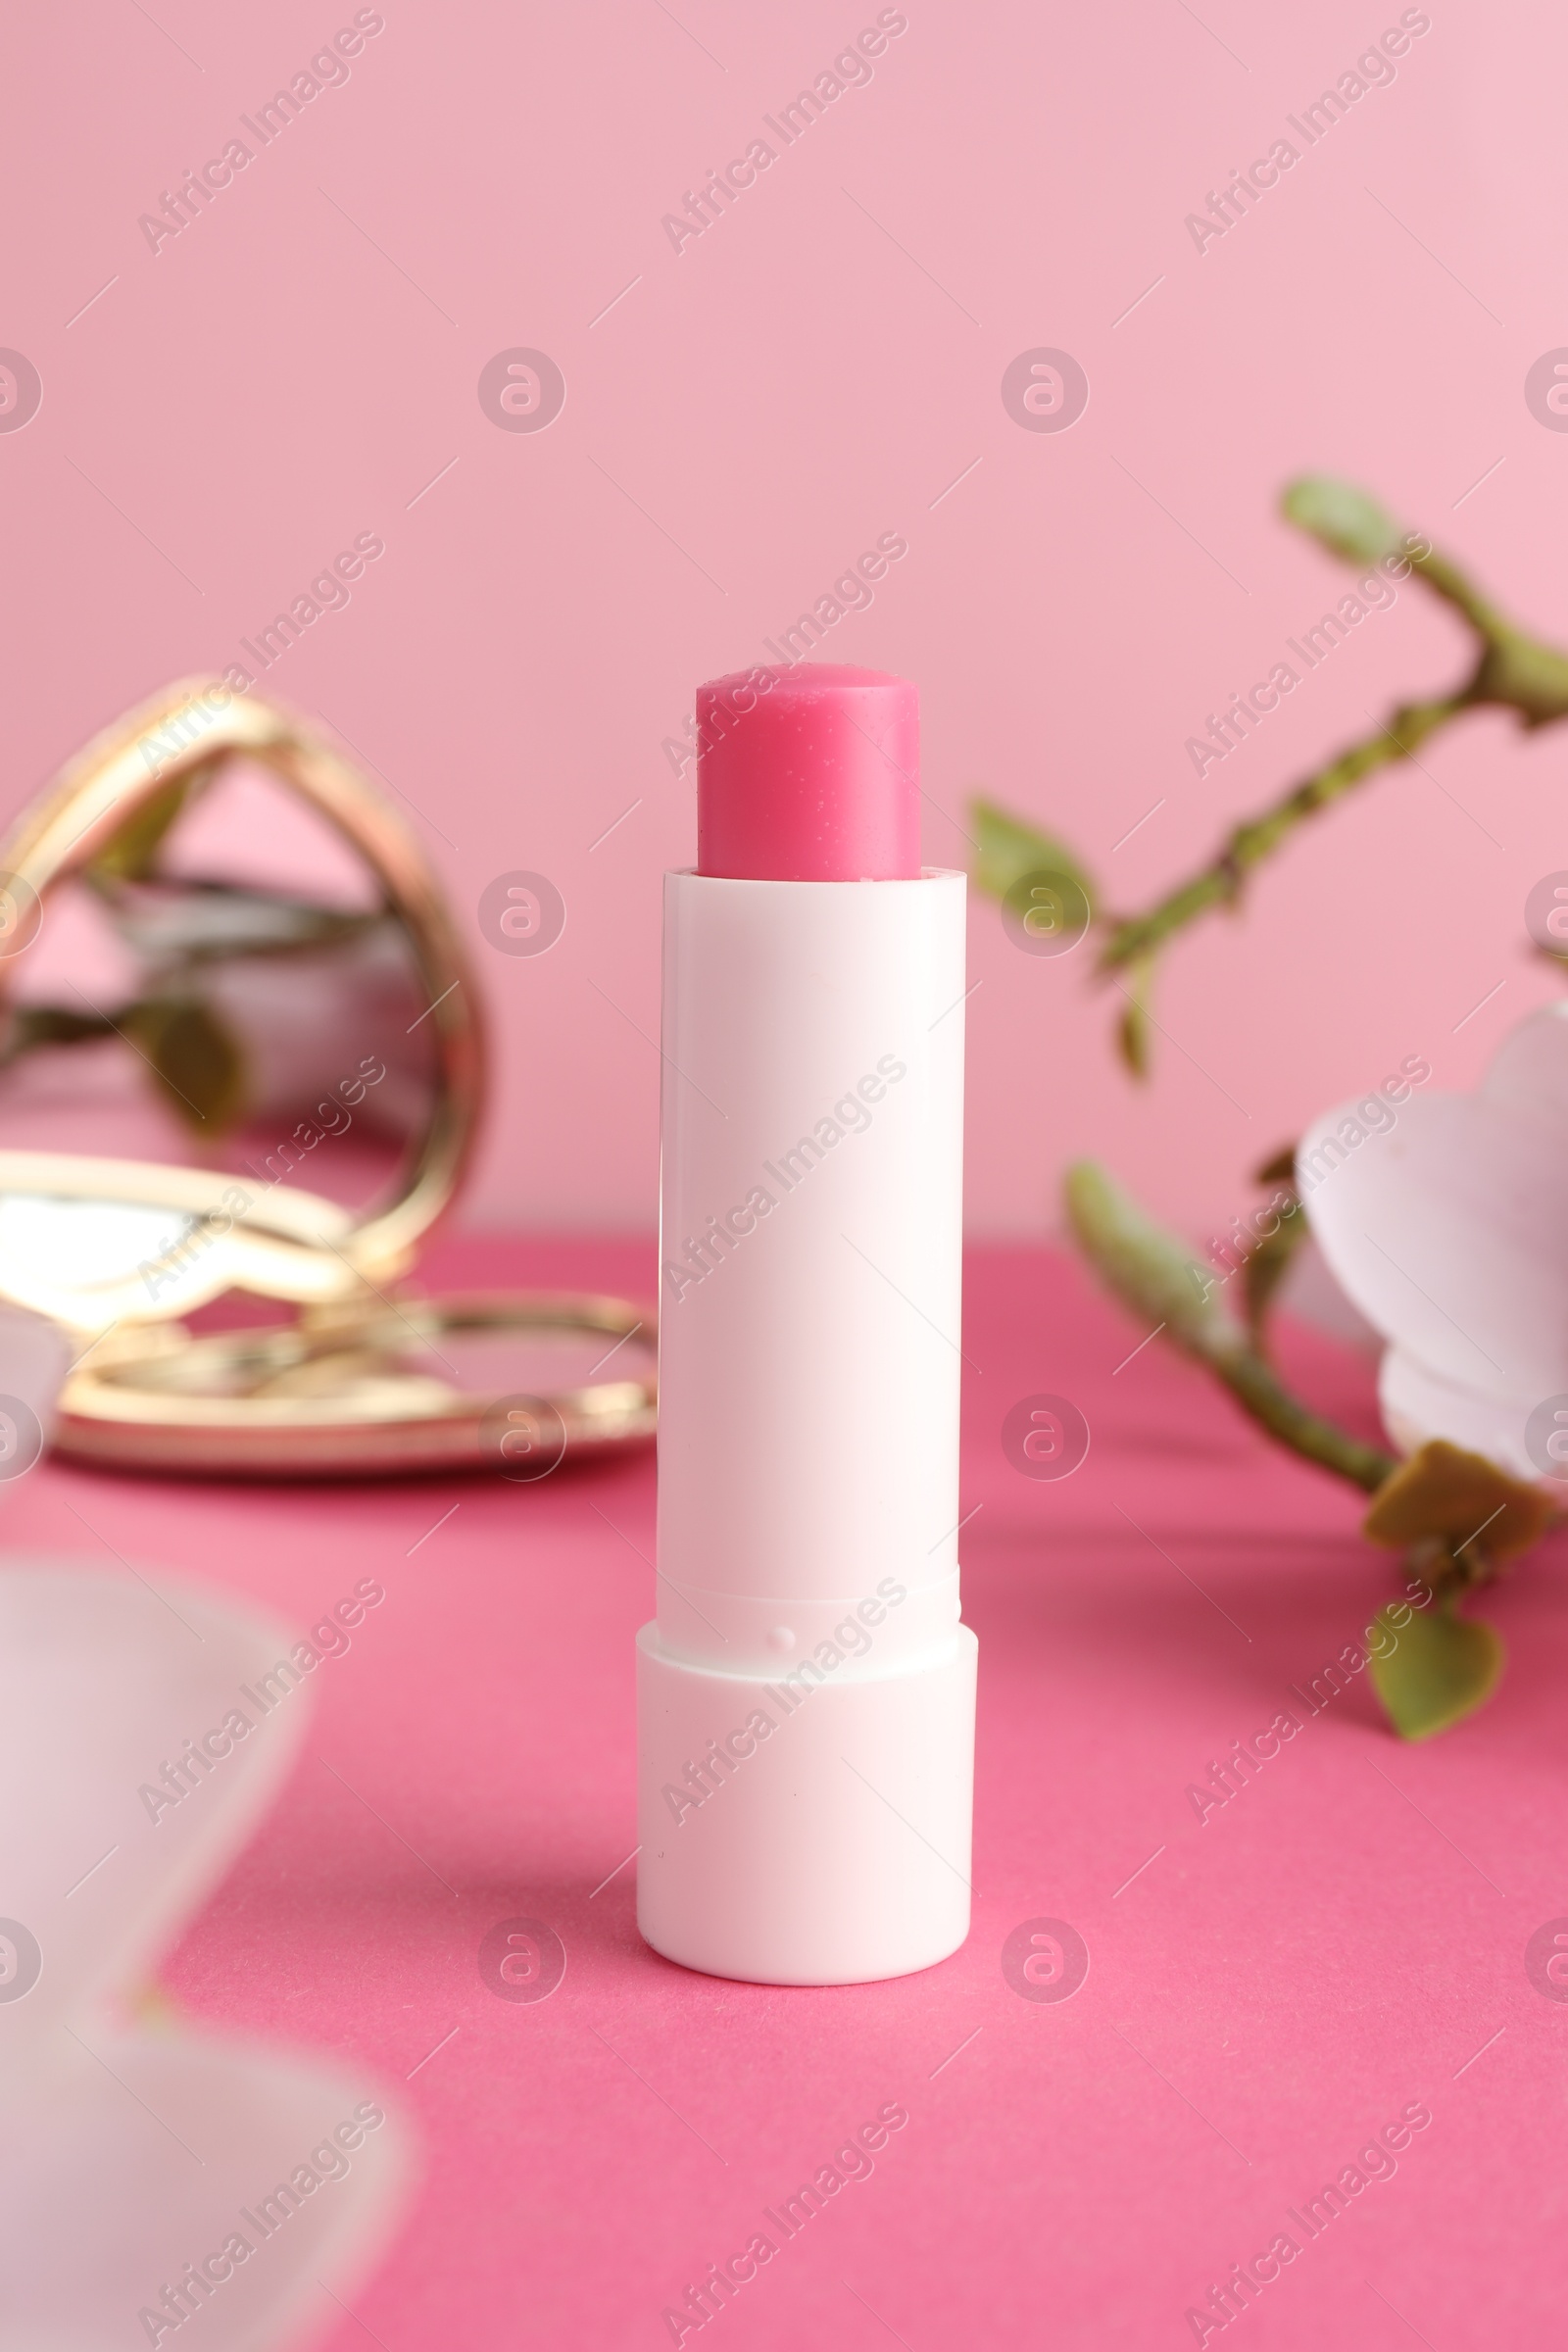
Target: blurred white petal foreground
x=150, y=2176
x=1444, y=1221
x=153, y=2174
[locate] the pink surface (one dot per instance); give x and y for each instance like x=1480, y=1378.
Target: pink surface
x=748, y=412
x=808, y=775
x=1267, y=1989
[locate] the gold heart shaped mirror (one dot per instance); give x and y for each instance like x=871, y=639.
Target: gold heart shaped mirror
x=242, y=1061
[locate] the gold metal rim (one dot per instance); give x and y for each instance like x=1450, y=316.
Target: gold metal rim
x=110, y=780
x=151, y=1398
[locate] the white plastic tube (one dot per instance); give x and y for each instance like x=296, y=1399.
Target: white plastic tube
x=806, y=1695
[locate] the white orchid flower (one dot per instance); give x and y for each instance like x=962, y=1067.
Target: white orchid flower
x=1443, y=1218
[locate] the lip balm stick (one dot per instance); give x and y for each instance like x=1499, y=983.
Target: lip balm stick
x=806, y=1695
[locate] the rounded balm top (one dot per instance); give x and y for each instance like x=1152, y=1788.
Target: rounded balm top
x=809, y=775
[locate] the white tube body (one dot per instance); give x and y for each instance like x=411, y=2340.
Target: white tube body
x=806, y=1695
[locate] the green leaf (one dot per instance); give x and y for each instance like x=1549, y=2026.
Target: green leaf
x=197, y=1063
x=1010, y=849
x=131, y=851
x=1148, y=1268
x=1266, y=1267
x=1462, y=1498
x=1132, y=1026
x=1340, y=518
x=1441, y=1669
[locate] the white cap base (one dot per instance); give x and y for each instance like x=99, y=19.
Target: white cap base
x=808, y=1829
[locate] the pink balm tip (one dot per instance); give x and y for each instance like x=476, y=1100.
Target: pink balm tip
x=809, y=775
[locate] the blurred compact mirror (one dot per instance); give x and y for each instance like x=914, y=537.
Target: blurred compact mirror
x=241, y=1060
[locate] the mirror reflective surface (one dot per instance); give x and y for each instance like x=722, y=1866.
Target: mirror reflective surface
x=241, y=1054
x=223, y=984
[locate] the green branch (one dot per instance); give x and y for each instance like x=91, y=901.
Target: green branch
x=1457, y=1518
x=1151, y=1272
x=1510, y=671
x=1261, y=1391
x=1250, y=844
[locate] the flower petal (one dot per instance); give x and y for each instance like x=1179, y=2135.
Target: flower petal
x=1446, y=1227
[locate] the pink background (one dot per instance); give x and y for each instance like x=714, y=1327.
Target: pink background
x=759, y=408
x=742, y=419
